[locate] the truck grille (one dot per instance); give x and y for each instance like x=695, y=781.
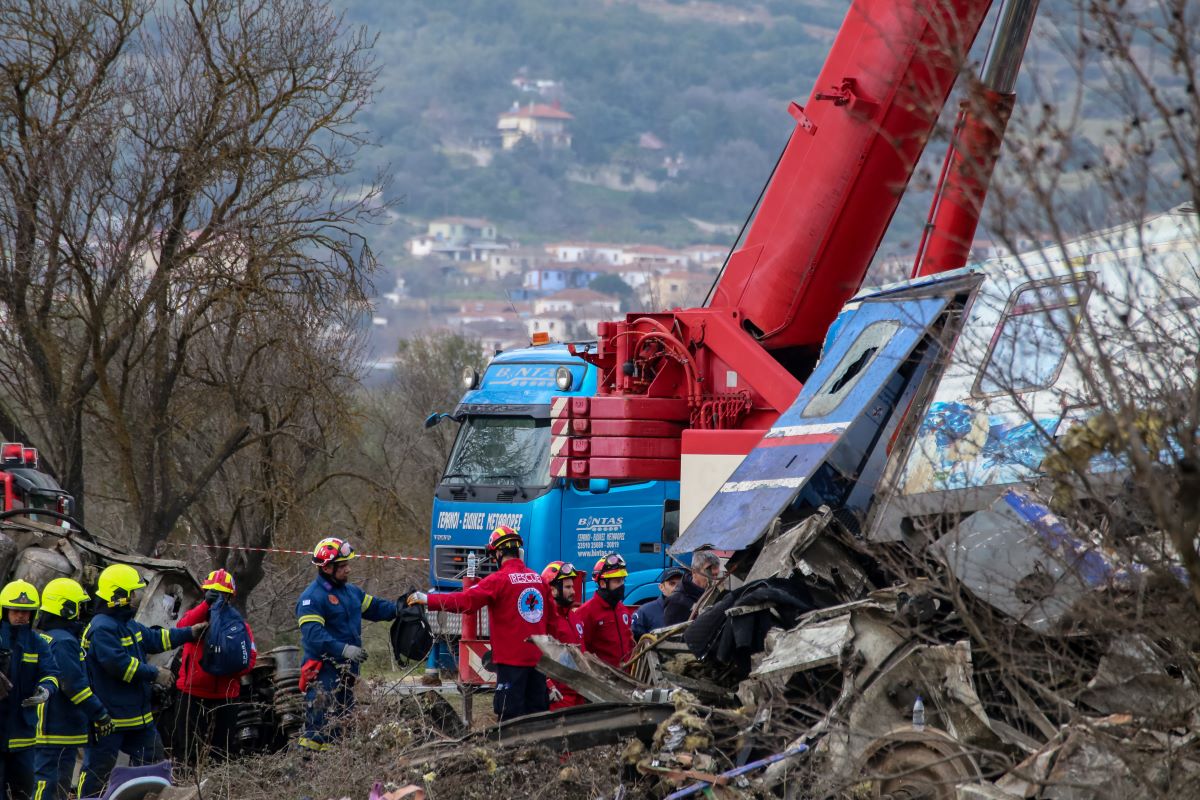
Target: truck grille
x=444, y=623
x=450, y=563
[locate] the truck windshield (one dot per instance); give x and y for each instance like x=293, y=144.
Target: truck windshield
x=501, y=451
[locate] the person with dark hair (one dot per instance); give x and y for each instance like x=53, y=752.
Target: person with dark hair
x=560, y=578
x=650, y=616
x=705, y=571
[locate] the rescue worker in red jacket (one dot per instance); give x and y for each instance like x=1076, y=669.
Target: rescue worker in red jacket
x=517, y=603
x=560, y=578
x=207, y=706
x=604, y=620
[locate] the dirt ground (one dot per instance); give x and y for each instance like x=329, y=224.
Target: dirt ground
x=387, y=728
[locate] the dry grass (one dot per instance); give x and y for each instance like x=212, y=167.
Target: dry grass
x=384, y=729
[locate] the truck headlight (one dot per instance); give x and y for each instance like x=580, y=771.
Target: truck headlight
x=563, y=378
x=470, y=378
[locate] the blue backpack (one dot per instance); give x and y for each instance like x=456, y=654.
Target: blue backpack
x=227, y=644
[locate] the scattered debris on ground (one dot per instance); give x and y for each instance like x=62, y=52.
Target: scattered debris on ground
x=1008, y=659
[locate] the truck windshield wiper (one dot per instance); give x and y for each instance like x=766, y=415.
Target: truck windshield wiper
x=516, y=486
x=455, y=475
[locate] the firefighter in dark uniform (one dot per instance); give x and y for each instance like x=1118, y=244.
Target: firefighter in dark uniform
x=32, y=679
x=115, y=649
x=74, y=708
x=330, y=614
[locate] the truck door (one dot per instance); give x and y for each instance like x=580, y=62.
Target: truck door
x=601, y=517
x=820, y=442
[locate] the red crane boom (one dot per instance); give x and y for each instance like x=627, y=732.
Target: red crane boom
x=739, y=362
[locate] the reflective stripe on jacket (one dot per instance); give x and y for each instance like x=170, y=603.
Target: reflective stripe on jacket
x=330, y=617
x=115, y=649
x=30, y=666
x=64, y=720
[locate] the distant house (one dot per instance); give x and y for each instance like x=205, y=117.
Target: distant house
x=652, y=254
x=587, y=251
x=571, y=301
x=544, y=125
x=633, y=275
x=556, y=324
x=517, y=260
x=572, y=314
x=678, y=289
x=471, y=311
x=706, y=254
x=457, y=239
x=555, y=277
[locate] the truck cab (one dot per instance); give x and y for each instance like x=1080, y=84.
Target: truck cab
x=498, y=473
x=24, y=485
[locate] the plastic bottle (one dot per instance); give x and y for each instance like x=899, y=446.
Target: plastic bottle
x=918, y=714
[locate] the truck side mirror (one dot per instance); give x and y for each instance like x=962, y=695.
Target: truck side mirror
x=434, y=418
x=598, y=485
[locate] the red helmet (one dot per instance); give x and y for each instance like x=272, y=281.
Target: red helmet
x=221, y=581
x=331, y=550
x=611, y=566
x=558, y=571
x=503, y=538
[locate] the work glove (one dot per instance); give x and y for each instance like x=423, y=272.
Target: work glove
x=103, y=725
x=212, y=596
x=198, y=631
x=555, y=694
x=164, y=678
x=418, y=599
x=37, y=698
x=5, y=686
x=354, y=653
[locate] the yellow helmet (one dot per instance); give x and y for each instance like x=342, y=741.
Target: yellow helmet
x=64, y=598
x=19, y=594
x=117, y=582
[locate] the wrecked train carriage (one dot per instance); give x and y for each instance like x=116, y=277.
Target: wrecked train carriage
x=935, y=397
x=916, y=449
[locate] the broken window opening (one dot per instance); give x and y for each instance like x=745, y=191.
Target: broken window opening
x=850, y=369
x=1030, y=345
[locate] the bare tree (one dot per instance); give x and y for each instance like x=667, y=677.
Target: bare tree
x=173, y=177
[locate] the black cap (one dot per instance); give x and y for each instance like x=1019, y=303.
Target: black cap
x=671, y=572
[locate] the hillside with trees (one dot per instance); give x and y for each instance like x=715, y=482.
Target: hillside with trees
x=713, y=96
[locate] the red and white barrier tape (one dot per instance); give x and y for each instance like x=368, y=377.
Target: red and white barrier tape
x=289, y=552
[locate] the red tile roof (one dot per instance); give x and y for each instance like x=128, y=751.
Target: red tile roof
x=539, y=111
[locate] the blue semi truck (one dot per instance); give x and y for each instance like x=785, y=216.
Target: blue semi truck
x=498, y=473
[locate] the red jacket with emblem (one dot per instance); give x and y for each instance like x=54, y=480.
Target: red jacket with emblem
x=605, y=630
x=517, y=604
x=562, y=626
x=193, y=679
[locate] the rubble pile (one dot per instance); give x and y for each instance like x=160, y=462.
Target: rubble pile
x=1011, y=657
x=1008, y=660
